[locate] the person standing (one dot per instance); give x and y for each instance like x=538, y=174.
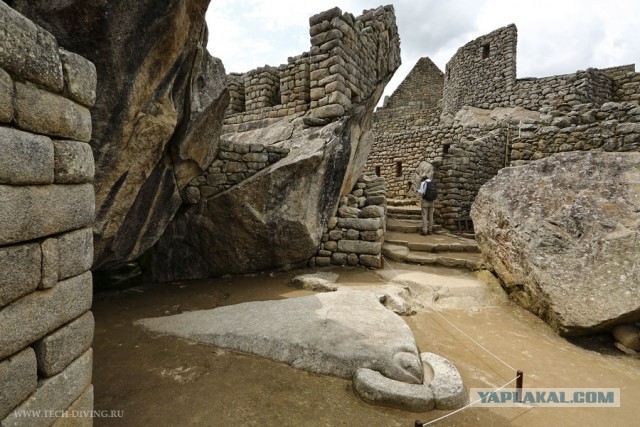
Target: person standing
x=428, y=195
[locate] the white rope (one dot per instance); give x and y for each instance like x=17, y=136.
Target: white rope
x=460, y=330
x=476, y=342
x=479, y=345
x=465, y=407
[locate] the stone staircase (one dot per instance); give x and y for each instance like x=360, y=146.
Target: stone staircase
x=403, y=242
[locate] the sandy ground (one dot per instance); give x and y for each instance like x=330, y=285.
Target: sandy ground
x=166, y=381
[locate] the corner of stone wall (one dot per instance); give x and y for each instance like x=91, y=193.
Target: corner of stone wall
x=347, y=60
x=46, y=239
x=355, y=235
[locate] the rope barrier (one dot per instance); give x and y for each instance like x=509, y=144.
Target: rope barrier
x=475, y=342
x=467, y=406
x=460, y=330
x=518, y=377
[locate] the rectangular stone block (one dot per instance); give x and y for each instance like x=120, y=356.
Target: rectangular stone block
x=19, y=271
x=372, y=236
x=43, y=112
x=75, y=253
x=373, y=261
x=80, y=78
x=25, y=158
x=31, y=212
x=73, y=162
x=18, y=379
x=54, y=395
x=6, y=97
x=360, y=247
x=50, y=261
x=30, y=318
x=58, y=349
x=28, y=51
x=256, y=157
x=322, y=261
x=361, y=224
x=77, y=412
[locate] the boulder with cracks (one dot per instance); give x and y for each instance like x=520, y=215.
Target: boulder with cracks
x=158, y=115
x=562, y=234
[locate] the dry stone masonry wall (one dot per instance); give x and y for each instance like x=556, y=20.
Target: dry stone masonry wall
x=46, y=211
x=422, y=87
x=343, y=67
x=355, y=235
x=488, y=120
x=235, y=163
x=482, y=72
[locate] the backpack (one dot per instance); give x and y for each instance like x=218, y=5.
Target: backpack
x=430, y=192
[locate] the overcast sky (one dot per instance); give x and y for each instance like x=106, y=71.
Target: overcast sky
x=554, y=36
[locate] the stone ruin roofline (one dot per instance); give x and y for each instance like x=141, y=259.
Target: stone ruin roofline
x=340, y=69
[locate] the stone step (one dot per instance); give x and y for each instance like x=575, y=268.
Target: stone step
x=401, y=202
x=403, y=226
x=471, y=261
x=400, y=253
x=407, y=209
x=411, y=217
x=470, y=247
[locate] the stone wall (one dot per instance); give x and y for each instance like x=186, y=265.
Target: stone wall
x=422, y=86
x=614, y=126
x=47, y=209
x=490, y=120
x=235, y=163
x=473, y=157
x=355, y=235
x=334, y=74
x=403, y=140
x=482, y=72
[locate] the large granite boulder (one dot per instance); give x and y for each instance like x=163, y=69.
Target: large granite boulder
x=273, y=219
x=562, y=234
x=158, y=116
x=333, y=333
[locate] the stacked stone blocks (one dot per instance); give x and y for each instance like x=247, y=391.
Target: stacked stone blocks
x=422, y=88
x=587, y=110
x=328, y=80
x=355, y=235
x=482, y=72
x=47, y=209
x=235, y=163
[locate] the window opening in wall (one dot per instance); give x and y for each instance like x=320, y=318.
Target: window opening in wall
x=377, y=170
x=485, y=50
x=277, y=96
x=398, y=168
x=445, y=149
x=448, y=73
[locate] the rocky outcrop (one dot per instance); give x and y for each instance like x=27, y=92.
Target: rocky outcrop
x=562, y=234
x=268, y=215
x=273, y=219
x=158, y=115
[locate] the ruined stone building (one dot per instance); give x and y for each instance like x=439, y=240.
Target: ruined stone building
x=286, y=187
x=486, y=119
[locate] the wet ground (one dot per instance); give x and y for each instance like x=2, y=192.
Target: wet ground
x=166, y=381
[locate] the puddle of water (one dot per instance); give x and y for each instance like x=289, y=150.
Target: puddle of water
x=168, y=381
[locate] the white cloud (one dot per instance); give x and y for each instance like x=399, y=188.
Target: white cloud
x=554, y=37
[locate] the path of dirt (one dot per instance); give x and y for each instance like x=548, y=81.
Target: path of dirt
x=165, y=381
